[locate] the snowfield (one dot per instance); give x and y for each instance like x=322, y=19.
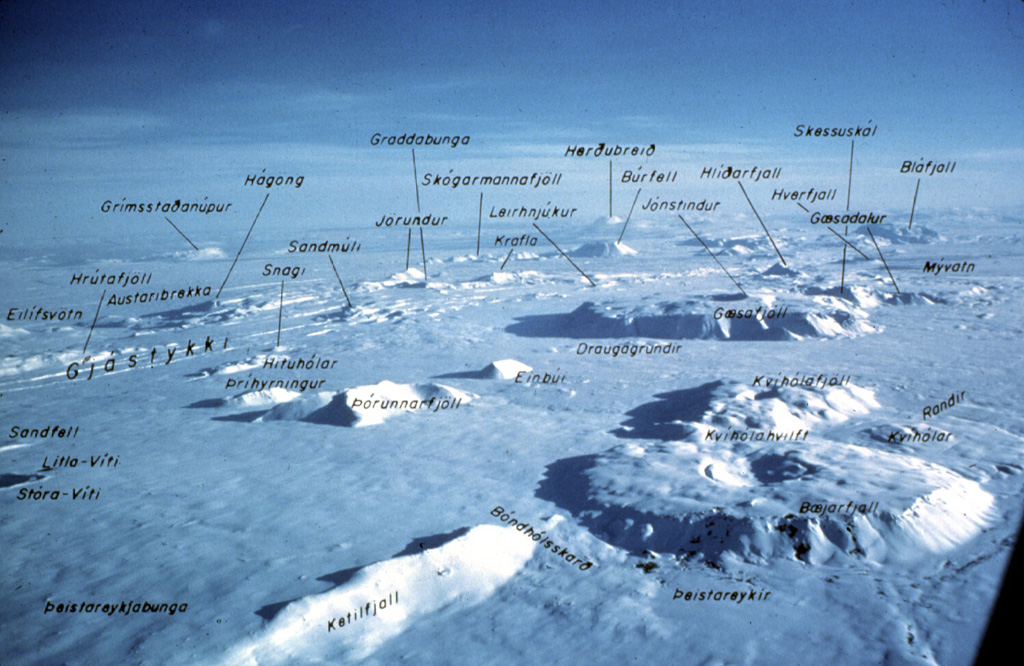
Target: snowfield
x=521, y=467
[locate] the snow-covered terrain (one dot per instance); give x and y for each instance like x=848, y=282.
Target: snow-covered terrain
x=482, y=464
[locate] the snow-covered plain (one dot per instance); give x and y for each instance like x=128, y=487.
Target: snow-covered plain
x=511, y=465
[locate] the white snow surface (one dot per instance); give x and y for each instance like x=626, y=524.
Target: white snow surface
x=463, y=572
x=367, y=405
x=268, y=506
x=505, y=369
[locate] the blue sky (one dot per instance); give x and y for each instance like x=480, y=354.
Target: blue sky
x=92, y=90
x=692, y=71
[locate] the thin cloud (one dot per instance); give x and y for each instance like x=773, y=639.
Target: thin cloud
x=77, y=129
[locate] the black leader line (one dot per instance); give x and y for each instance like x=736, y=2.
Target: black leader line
x=628, y=216
x=187, y=238
x=564, y=254
x=883, y=259
x=762, y=223
x=243, y=245
x=713, y=256
x=339, y=280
